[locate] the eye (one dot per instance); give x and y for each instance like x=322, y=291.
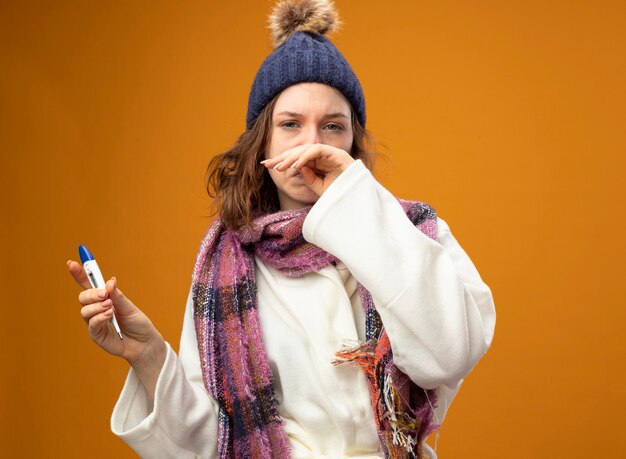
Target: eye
x=289, y=124
x=333, y=127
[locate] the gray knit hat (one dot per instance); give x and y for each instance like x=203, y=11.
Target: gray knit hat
x=303, y=54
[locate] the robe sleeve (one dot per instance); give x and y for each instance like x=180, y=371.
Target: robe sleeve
x=183, y=420
x=437, y=311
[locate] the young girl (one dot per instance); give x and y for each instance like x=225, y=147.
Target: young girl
x=326, y=317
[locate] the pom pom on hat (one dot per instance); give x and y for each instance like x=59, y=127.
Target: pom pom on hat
x=303, y=54
x=312, y=16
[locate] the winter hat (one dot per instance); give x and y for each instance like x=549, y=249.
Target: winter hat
x=303, y=54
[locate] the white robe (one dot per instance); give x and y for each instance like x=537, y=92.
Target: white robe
x=438, y=313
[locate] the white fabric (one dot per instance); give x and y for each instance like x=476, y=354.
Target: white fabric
x=438, y=313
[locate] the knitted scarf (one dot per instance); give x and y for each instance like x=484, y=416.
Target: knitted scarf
x=235, y=366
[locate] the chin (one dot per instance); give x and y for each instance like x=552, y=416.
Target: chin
x=299, y=200
x=307, y=201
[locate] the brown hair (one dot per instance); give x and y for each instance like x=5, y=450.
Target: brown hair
x=242, y=187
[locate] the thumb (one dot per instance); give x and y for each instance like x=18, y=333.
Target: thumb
x=311, y=179
x=122, y=304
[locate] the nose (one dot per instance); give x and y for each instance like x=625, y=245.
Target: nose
x=311, y=135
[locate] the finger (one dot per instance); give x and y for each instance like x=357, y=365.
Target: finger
x=78, y=273
x=87, y=312
x=271, y=162
x=331, y=162
x=322, y=157
x=277, y=161
x=308, y=156
x=92, y=295
x=294, y=158
x=312, y=180
x=122, y=304
x=98, y=325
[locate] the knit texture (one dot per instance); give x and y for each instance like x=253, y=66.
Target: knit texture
x=304, y=57
x=235, y=366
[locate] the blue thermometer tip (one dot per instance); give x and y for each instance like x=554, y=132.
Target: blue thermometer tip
x=85, y=254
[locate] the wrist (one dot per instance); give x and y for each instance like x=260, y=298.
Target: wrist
x=152, y=356
x=149, y=364
x=346, y=164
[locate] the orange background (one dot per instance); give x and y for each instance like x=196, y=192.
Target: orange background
x=508, y=117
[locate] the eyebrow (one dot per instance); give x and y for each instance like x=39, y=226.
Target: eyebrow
x=299, y=115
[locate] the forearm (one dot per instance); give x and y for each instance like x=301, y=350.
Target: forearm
x=149, y=365
x=180, y=421
x=177, y=417
x=436, y=309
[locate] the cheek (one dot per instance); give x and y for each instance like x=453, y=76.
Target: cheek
x=275, y=176
x=274, y=148
x=268, y=150
x=346, y=144
x=343, y=140
x=280, y=142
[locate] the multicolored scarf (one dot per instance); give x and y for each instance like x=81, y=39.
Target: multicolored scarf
x=234, y=363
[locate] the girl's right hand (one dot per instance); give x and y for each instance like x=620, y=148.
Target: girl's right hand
x=142, y=346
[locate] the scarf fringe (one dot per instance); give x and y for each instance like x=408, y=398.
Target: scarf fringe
x=360, y=353
x=400, y=427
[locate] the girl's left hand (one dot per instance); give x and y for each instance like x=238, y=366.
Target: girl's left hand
x=318, y=163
